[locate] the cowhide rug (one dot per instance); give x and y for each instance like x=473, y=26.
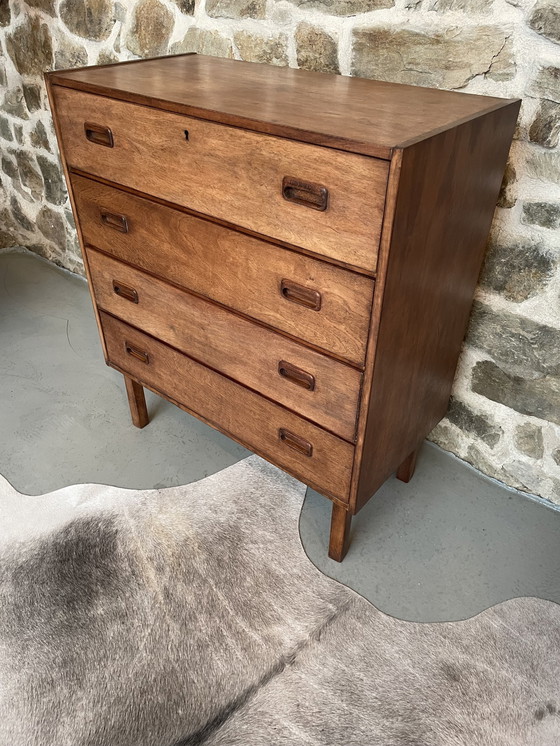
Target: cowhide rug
x=191, y=615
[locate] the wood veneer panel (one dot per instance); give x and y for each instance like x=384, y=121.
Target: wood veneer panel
x=234, y=175
x=363, y=116
x=446, y=198
x=242, y=350
x=239, y=271
x=233, y=409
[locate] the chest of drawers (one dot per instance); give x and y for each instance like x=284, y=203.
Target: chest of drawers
x=289, y=256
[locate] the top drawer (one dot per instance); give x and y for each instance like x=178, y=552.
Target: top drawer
x=269, y=185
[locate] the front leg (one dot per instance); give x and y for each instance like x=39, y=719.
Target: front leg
x=137, y=402
x=340, y=532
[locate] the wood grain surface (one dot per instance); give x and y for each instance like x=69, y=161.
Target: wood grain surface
x=240, y=413
x=232, y=174
x=241, y=349
x=364, y=116
x=231, y=268
x=447, y=193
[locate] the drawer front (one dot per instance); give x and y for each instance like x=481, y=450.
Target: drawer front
x=313, y=455
x=309, y=299
x=267, y=184
x=305, y=381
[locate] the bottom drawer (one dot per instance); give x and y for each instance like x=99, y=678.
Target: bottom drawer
x=313, y=455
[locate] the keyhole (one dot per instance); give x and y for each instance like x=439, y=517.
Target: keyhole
x=186, y=134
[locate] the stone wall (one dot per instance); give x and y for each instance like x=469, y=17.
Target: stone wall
x=505, y=413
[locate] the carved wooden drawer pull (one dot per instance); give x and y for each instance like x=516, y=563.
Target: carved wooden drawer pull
x=296, y=375
x=125, y=291
x=305, y=193
x=296, y=442
x=137, y=353
x=114, y=220
x=99, y=134
x=300, y=294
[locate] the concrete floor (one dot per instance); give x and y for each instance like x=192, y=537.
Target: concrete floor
x=444, y=547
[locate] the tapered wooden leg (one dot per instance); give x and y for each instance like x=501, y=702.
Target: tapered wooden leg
x=405, y=472
x=137, y=402
x=340, y=532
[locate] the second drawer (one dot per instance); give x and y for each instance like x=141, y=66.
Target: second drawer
x=307, y=382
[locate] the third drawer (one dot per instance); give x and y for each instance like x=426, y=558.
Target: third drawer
x=307, y=382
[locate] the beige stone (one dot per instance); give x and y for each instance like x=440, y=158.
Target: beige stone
x=55, y=188
x=32, y=96
x=477, y=458
x=446, y=436
x=529, y=440
x=271, y=50
x=236, y=8
x=5, y=13
x=444, y=59
x=503, y=67
x=8, y=229
x=544, y=166
x=30, y=47
x=39, y=137
x=46, y=5
x=546, y=84
x=151, y=29
x=203, y=41
x=545, y=19
x=545, y=128
x=28, y=173
x=18, y=132
x=14, y=103
x=186, y=6
x=344, y=7
x=69, y=54
x=19, y=215
x=467, y=6
x=507, y=198
x=106, y=57
x=316, y=50
x=92, y=19
x=52, y=226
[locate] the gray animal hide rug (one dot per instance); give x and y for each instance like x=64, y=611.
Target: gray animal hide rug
x=192, y=615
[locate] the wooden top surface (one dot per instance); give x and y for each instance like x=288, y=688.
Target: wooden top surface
x=354, y=114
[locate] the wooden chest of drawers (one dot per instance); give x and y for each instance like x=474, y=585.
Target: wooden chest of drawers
x=289, y=256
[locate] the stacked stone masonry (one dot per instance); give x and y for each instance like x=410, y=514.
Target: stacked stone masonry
x=504, y=416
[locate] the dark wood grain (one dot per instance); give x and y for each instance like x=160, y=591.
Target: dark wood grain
x=193, y=253
x=339, y=540
x=242, y=350
x=136, y=402
x=406, y=470
x=66, y=172
x=209, y=172
x=448, y=186
x=242, y=414
x=363, y=116
x=254, y=250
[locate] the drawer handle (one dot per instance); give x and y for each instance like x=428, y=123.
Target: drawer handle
x=305, y=193
x=296, y=375
x=294, y=441
x=300, y=294
x=125, y=291
x=114, y=220
x=138, y=354
x=98, y=134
